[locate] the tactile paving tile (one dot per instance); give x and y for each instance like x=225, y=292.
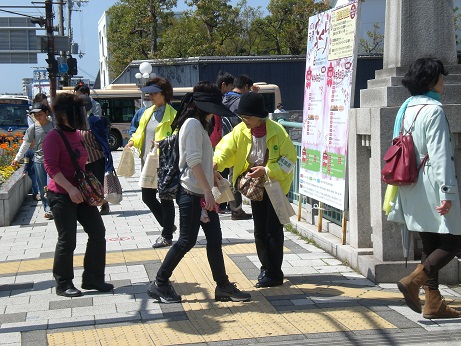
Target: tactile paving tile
x=9, y=267
x=210, y=321
x=358, y=318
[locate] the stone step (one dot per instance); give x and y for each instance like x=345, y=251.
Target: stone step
x=390, y=96
x=451, y=78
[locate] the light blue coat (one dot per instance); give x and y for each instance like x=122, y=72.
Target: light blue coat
x=415, y=204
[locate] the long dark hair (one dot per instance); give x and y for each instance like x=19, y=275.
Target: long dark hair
x=189, y=109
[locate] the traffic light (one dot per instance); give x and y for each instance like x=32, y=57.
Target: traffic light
x=52, y=65
x=72, y=65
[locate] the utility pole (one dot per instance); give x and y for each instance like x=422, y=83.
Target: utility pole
x=52, y=63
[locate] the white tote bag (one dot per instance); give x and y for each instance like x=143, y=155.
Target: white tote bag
x=149, y=177
x=279, y=201
x=126, y=165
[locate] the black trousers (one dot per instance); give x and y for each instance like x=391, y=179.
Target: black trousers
x=189, y=222
x=163, y=211
x=438, y=251
x=66, y=214
x=269, y=237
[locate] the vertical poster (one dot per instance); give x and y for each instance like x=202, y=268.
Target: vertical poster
x=328, y=93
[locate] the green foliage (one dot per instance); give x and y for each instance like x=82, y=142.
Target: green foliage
x=134, y=30
x=287, y=24
x=147, y=29
x=457, y=17
x=373, y=43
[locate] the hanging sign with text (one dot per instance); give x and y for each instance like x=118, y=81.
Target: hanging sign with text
x=328, y=93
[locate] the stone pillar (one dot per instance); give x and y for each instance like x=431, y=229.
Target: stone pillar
x=416, y=29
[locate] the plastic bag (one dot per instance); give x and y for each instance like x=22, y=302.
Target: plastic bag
x=112, y=188
x=149, y=177
x=389, y=198
x=279, y=201
x=222, y=193
x=126, y=165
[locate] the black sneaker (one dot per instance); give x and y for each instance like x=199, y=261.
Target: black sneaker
x=240, y=215
x=230, y=292
x=163, y=294
x=162, y=242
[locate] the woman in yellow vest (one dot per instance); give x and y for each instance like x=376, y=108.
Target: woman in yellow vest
x=155, y=124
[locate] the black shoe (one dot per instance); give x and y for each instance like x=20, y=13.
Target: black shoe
x=163, y=294
x=268, y=282
x=262, y=274
x=100, y=286
x=105, y=210
x=68, y=290
x=241, y=215
x=162, y=242
x=230, y=292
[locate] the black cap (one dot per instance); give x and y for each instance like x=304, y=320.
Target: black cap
x=252, y=104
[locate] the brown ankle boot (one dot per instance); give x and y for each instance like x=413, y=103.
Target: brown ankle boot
x=410, y=286
x=435, y=306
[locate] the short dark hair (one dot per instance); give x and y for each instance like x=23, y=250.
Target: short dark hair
x=40, y=97
x=243, y=80
x=83, y=88
x=224, y=77
x=165, y=85
x=422, y=75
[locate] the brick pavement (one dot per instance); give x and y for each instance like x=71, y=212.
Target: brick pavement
x=321, y=297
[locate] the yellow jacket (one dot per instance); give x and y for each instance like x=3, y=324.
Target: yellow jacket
x=234, y=148
x=161, y=131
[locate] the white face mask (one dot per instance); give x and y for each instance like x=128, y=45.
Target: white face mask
x=147, y=103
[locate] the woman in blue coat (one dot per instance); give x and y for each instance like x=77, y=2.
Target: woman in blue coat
x=431, y=206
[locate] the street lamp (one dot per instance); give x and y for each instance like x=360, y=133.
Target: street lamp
x=144, y=73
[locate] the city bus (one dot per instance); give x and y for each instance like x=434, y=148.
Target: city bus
x=119, y=102
x=14, y=111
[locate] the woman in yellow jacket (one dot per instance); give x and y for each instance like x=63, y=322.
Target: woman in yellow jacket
x=257, y=144
x=155, y=124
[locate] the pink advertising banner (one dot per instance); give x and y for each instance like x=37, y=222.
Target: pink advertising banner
x=328, y=93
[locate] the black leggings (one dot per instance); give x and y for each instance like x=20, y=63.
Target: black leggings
x=438, y=251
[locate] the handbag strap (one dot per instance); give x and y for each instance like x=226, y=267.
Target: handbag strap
x=416, y=116
x=426, y=157
x=69, y=149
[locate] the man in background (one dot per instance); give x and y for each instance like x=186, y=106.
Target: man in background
x=83, y=89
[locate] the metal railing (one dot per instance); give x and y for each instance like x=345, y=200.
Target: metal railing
x=294, y=129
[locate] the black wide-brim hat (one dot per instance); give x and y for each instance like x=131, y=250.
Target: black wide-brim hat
x=252, y=104
x=211, y=102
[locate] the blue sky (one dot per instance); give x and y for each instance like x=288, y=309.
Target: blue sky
x=85, y=30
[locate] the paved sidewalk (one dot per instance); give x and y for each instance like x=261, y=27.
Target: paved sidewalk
x=322, y=300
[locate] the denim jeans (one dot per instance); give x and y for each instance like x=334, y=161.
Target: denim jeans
x=269, y=237
x=163, y=211
x=42, y=181
x=189, y=225
x=33, y=178
x=66, y=214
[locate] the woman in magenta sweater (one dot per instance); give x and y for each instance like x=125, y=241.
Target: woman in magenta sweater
x=67, y=205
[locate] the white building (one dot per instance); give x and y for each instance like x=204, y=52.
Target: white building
x=103, y=52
